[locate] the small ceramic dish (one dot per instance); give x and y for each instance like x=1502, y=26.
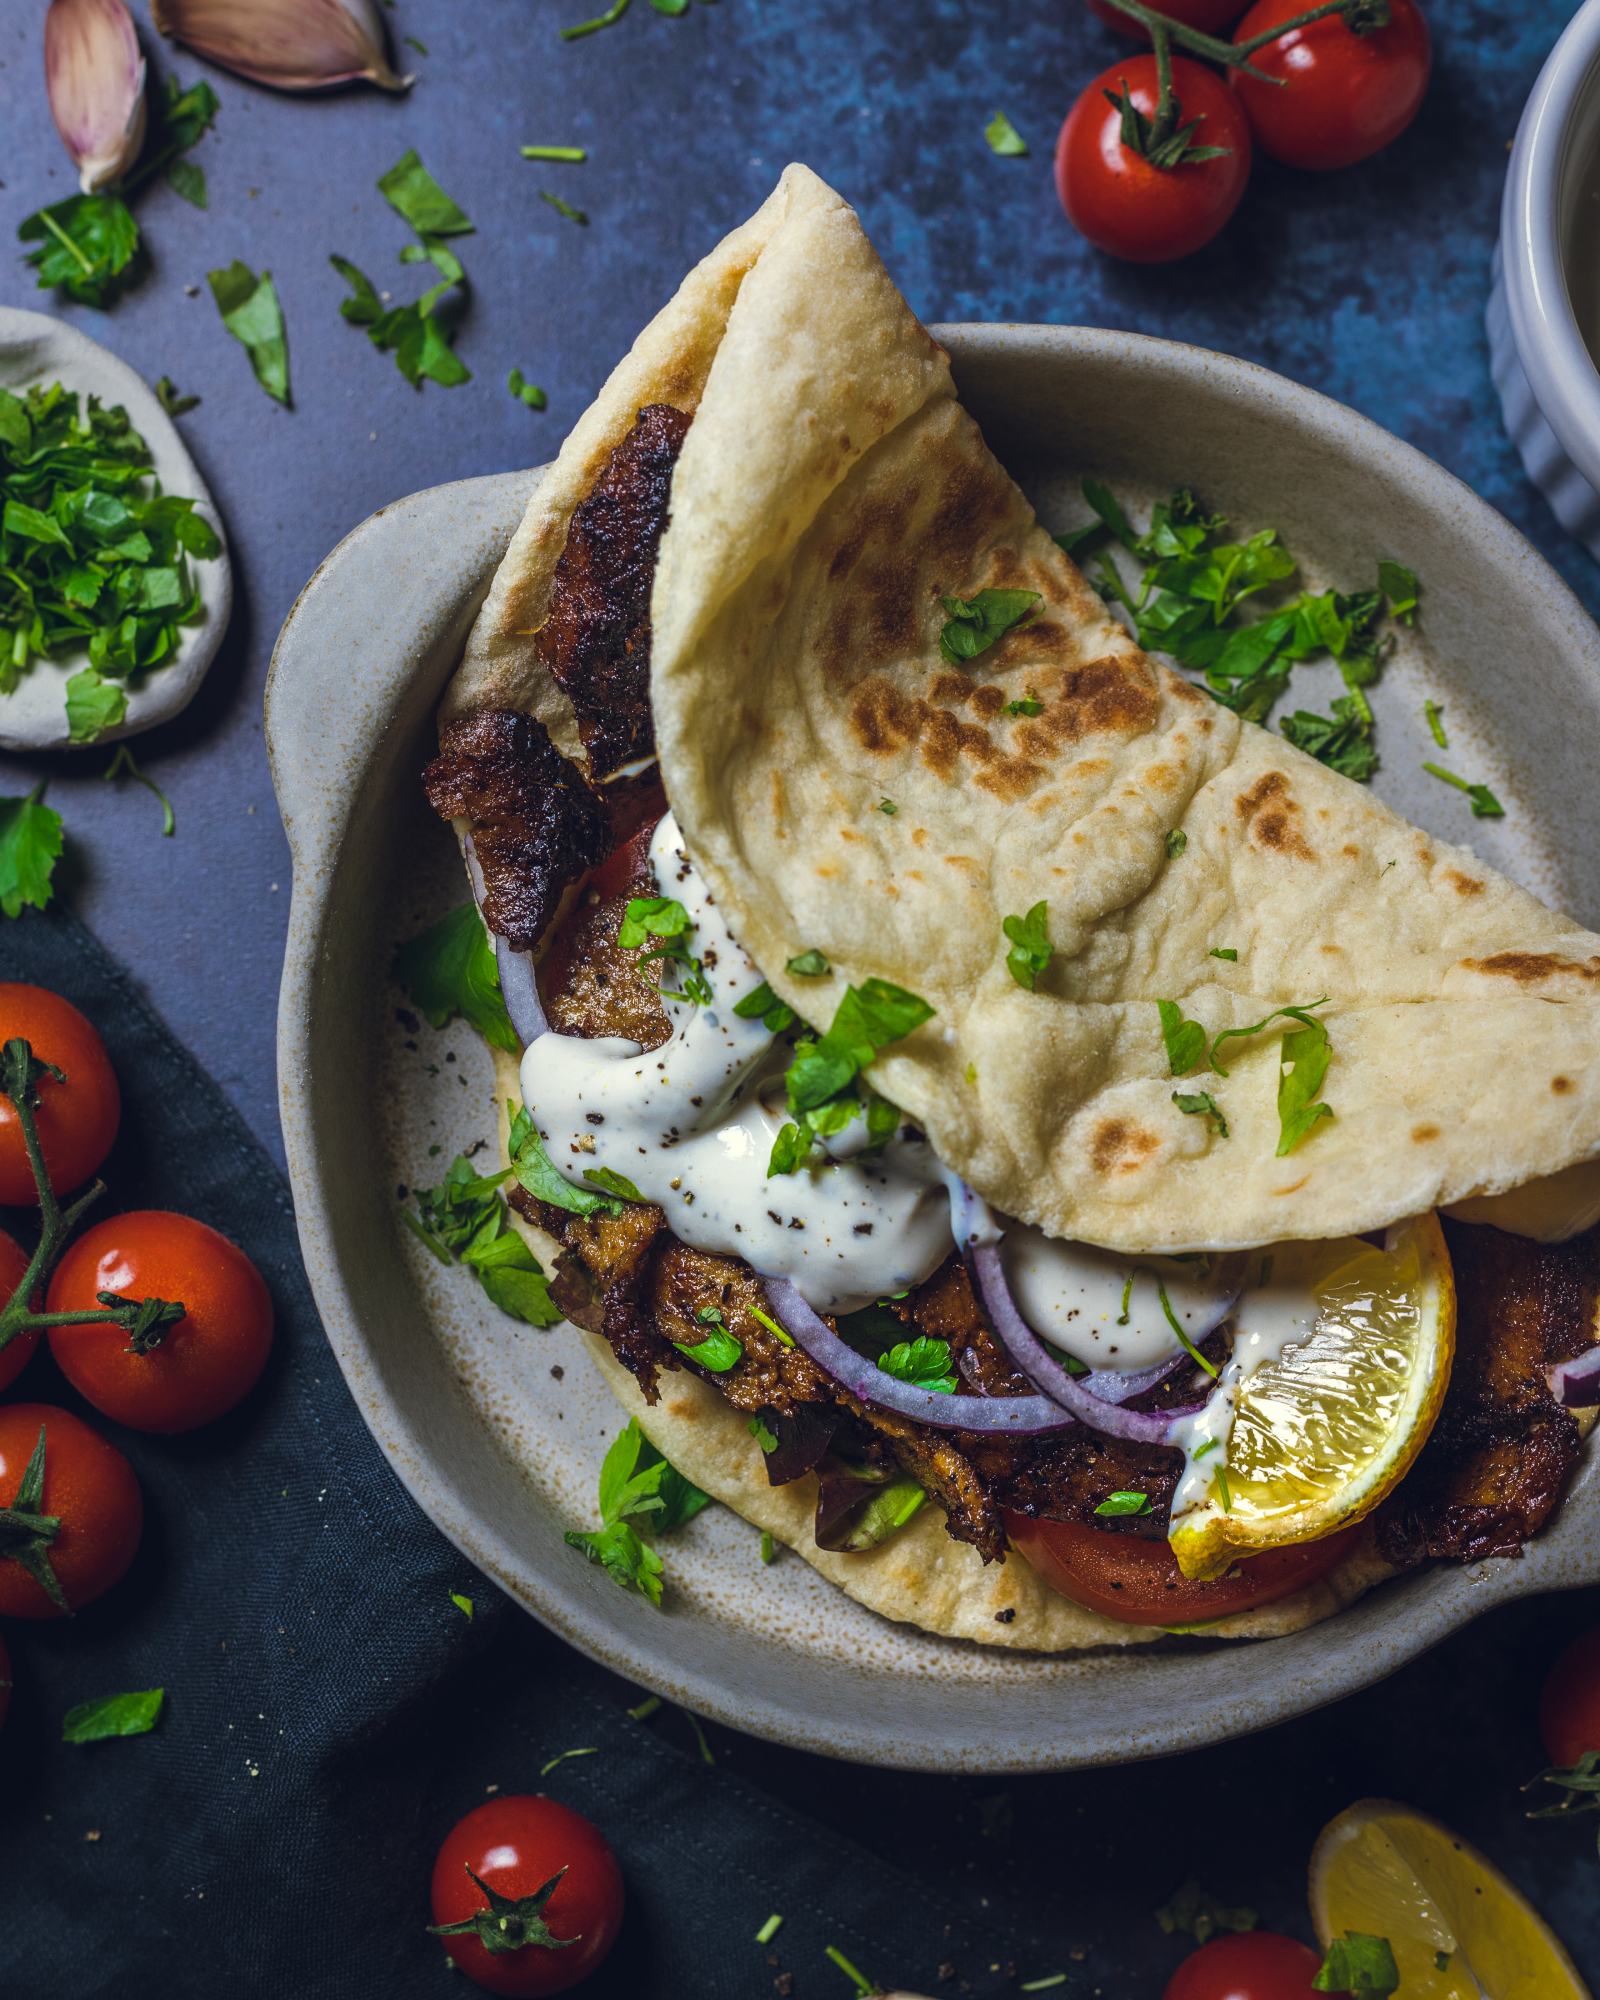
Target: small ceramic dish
x=1544, y=310
x=498, y=1430
x=34, y=349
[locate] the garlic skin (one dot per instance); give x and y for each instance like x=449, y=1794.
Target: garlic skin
x=94, y=74
x=289, y=44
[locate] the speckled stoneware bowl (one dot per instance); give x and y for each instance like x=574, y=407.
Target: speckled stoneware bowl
x=499, y=1430
x=35, y=348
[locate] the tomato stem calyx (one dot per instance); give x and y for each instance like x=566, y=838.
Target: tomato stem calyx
x=510, y=1923
x=145, y=1320
x=1579, y=1786
x=26, y=1533
x=1162, y=140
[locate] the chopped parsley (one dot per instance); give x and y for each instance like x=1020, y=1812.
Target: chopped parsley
x=613, y=13
x=122, y=765
x=414, y=333
x=1402, y=589
x=113, y=1715
x=779, y=1333
x=417, y=197
x=168, y=396
x=562, y=1756
x=1177, y=841
x=1117, y=1505
x=1359, y=1964
x=1433, y=715
x=536, y=1172
x=717, y=1353
x=572, y=155
x=1225, y=951
x=1031, y=950
x=465, y=1220
x=451, y=969
x=924, y=1362
x=887, y=806
x=636, y=1484
x=250, y=311
x=823, y=1083
x=529, y=394
x=809, y=965
x=1178, y=1333
x=463, y=1604
x=763, y=1005
x=1192, y=1912
x=94, y=557
x=1342, y=740
x=1201, y=1104
x=973, y=624
x=565, y=208
x=1028, y=704
x=1185, y=1039
x=612, y=1183
x=666, y=920
x=769, y=1548
x=1004, y=138
x=1484, y=803
x=767, y=1439
x=1303, y=1060
x=30, y=847
x=769, y=1930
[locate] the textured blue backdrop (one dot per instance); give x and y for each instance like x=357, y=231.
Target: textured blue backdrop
x=1369, y=285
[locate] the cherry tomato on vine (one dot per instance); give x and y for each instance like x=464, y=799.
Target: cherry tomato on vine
x=1347, y=91
x=87, y=1489
x=78, y=1118
x=1257, y=1966
x=550, y=1877
x=1138, y=1581
x=1211, y=17
x=193, y=1369
x=18, y=1351
x=1569, y=1708
x=1126, y=203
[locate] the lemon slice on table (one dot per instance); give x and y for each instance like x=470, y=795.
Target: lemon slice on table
x=1341, y=1358
x=1457, y=1928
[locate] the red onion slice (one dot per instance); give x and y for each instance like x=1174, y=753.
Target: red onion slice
x=1575, y=1384
x=996, y=1416
x=1046, y=1373
x=1116, y=1385
x=519, y=988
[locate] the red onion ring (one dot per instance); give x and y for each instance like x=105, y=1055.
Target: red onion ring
x=1046, y=1373
x=1115, y=1385
x=1003, y=1416
x=1575, y=1384
x=519, y=980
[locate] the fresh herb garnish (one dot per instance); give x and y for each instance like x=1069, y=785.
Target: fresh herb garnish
x=924, y=1362
x=1484, y=803
x=779, y=1333
x=527, y=393
x=666, y=920
x=1341, y=740
x=717, y=1353
x=1433, y=715
x=535, y=1171
x=637, y=1484
x=865, y=1987
x=1180, y=1336
x=565, y=208
x=251, y=313
x=1185, y=1039
x=973, y=624
x=612, y=1183
x=113, y=1715
x=450, y=969
x=613, y=13
x=809, y=965
x=1360, y=1964
x=564, y=1756
x=768, y=1547
x=571, y=154
x=1194, y=1913
x=1224, y=1491
x=887, y=806
x=1031, y=950
x=769, y=1930
x=1004, y=138
x=463, y=1604
x=1201, y=1104
x=763, y=1005
x=1177, y=842
x=767, y=1439
x=1028, y=704
x=171, y=401
x=30, y=847
x=122, y=765
x=465, y=1220
x=1402, y=589
x=417, y=197
x=414, y=333
x=1225, y=951
x=823, y=1083
x=1116, y=1505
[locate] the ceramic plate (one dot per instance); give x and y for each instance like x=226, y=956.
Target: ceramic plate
x=499, y=1430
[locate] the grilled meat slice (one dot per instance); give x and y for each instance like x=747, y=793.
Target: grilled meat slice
x=535, y=825
x=596, y=639
x=1502, y=1451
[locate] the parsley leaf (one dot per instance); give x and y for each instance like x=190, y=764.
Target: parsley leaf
x=451, y=969
x=565, y=208
x=1202, y=1104
x=975, y=623
x=251, y=313
x=1194, y=1913
x=665, y=918
x=113, y=1715
x=171, y=401
x=1484, y=803
x=809, y=965
x=762, y=1004
x=88, y=247
x=1028, y=704
x=823, y=1082
x=1225, y=951
x=925, y=1362
x=1031, y=950
x=527, y=393
x=418, y=340
x=574, y=155
x=30, y=846
x=718, y=1352
x=1400, y=586
x=536, y=1172
x=637, y=1483
x=613, y=1183
x=767, y=1439
x=1177, y=842
x=1117, y=1505
x=94, y=705
x=1004, y=138
x=1433, y=715
x=414, y=194
x=465, y=1220
x=1358, y=1963
x=1342, y=740
x=1185, y=1039
x=1302, y=1066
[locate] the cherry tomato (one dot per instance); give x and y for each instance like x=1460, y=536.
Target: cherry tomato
x=1258, y=1966
x=77, y=1119
x=1211, y=17
x=1345, y=95
x=1125, y=1576
x=1569, y=1708
x=201, y=1364
x=89, y=1486
x=17, y=1352
x=516, y=1845
x=1120, y=201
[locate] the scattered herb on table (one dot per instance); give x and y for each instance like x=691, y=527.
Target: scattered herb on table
x=526, y=392
x=113, y=1715
x=251, y=312
x=1578, y=1785
x=122, y=765
x=450, y=969
x=637, y=1484
x=463, y=1604
x=30, y=847
x=94, y=558
x=419, y=339
x=1193, y=1912
x=571, y=155
x=465, y=1220
x=1004, y=138
x=565, y=208
x=171, y=401
x=564, y=1756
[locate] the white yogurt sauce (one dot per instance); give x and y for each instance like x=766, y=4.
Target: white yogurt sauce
x=691, y=1125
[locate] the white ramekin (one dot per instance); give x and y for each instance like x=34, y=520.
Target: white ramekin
x=1547, y=379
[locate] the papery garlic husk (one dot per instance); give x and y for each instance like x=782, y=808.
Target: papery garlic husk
x=94, y=74
x=290, y=44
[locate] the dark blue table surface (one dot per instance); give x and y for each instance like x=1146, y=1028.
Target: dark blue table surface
x=1369, y=285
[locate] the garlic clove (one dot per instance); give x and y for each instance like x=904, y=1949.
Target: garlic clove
x=289, y=44
x=94, y=74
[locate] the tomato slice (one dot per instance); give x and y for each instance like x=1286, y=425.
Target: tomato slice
x=1131, y=1578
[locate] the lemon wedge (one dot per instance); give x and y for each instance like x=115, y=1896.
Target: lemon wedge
x=1458, y=1929
x=1341, y=1359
